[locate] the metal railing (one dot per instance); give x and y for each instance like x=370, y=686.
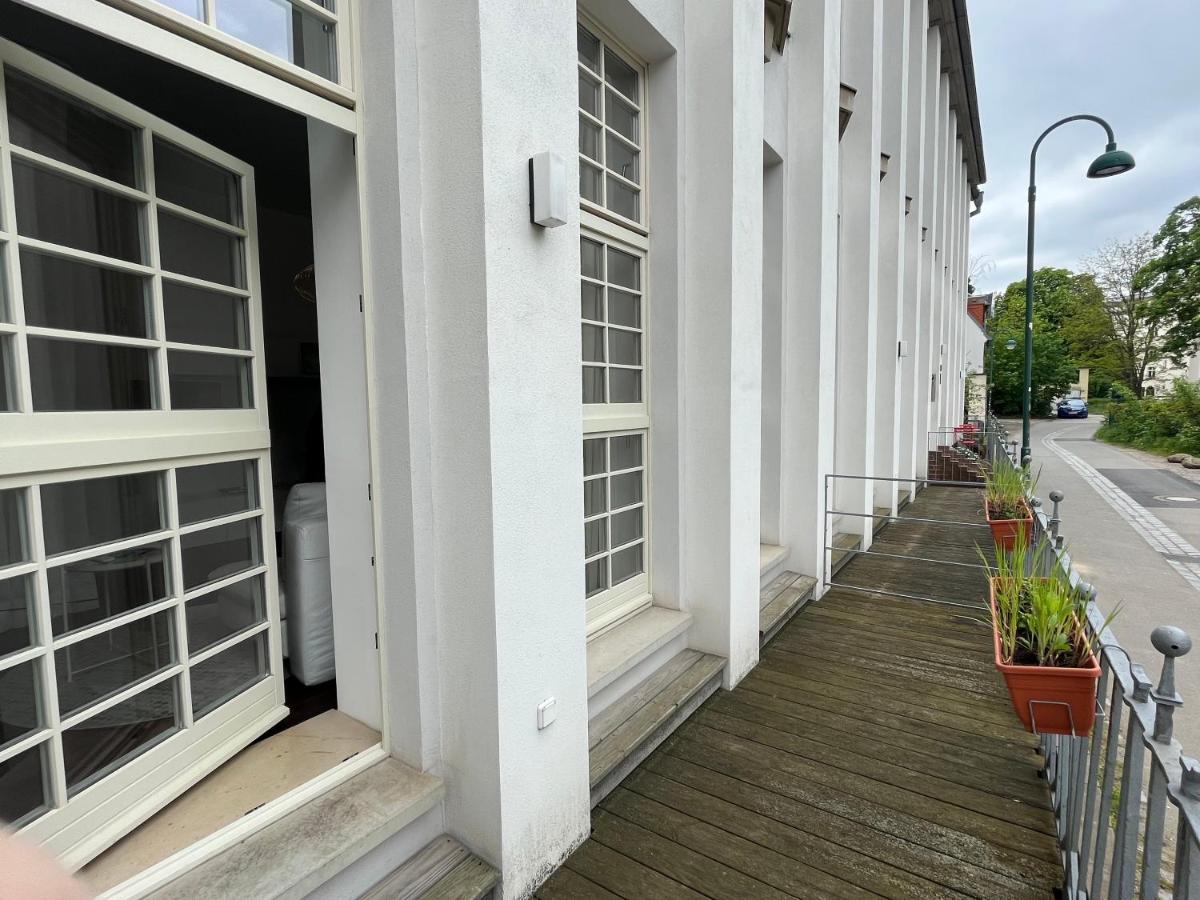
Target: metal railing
x=963, y=453
x=1117, y=795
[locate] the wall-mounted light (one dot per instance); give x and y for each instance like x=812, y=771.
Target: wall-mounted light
x=548, y=190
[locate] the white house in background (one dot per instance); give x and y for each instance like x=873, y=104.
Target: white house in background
x=975, y=350
x=294, y=388
x=1162, y=374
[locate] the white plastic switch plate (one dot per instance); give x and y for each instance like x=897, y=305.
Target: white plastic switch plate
x=547, y=712
x=548, y=190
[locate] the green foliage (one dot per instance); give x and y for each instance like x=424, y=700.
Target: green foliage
x=1005, y=488
x=1170, y=424
x=1173, y=279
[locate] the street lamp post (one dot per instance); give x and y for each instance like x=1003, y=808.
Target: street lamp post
x=1111, y=162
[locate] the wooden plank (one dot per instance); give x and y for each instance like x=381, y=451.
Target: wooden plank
x=630, y=734
x=471, y=879
x=777, y=585
x=676, y=861
x=654, y=799
x=926, y=862
x=604, y=724
x=1017, y=838
x=567, y=884
x=422, y=871
x=624, y=876
x=781, y=871
x=722, y=754
x=876, y=772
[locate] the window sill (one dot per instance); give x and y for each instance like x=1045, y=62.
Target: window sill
x=617, y=651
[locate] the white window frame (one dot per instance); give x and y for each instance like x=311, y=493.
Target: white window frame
x=599, y=210
x=44, y=447
x=206, y=33
x=615, y=604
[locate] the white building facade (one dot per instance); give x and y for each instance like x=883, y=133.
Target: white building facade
x=293, y=393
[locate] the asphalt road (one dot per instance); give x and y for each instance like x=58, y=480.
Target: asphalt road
x=1132, y=525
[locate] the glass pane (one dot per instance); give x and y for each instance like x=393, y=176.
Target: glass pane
x=591, y=301
x=20, y=711
x=626, y=452
x=593, y=343
x=627, y=526
x=79, y=514
x=589, y=139
x=64, y=293
x=593, y=384
x=591, y=259
x=47, y=121
x=625, y=347
x=99, y=588
x=593, y=456
x=217, y=615
x=216, y=553
x=100, y=666
x=589, y=95
x=625, y=386
x=67, y=212
x=595, y=575
x=593, y=497
x=622, y=160
x=277, y=28
x=591, y=182
x=14, y=539
x=74, y=375
x=110, y=739
x=190, y=248
x=24, y=786
x=589, y=48
x=16, y=615
x=620, y=75
x=196, y=316
x=595, y=537
x=186, y=179
x=8, y=401
x=208, y=380
x=624, y=269
x=623, y=200
x=224, y=676
x=5, y=311
x=219, y=489
x=626, y=489
x=624, y=309
x=627, y=563
x=192, y=8
x=620, y=116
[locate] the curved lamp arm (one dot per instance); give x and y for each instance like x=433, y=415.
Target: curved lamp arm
x=1112, y=141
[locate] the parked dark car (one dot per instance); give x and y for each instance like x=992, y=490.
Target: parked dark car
x=1072, y=408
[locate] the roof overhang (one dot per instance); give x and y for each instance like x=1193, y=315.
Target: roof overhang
x=950, y=18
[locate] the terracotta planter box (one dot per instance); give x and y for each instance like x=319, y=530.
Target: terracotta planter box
x=1049, y=699
x=1005, y=531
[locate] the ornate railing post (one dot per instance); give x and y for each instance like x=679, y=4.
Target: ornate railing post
x=1056, y=497
x=1171, y=642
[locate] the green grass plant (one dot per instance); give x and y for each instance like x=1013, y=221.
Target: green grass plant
x=1005, y=490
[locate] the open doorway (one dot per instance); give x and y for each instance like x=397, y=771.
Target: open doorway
x=277, y=564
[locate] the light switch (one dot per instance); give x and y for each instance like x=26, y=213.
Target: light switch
x=547, y=712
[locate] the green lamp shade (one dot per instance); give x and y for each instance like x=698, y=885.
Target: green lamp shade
x=1010, y=344
x=1111, y=162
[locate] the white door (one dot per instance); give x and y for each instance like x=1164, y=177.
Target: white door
x=139, y=627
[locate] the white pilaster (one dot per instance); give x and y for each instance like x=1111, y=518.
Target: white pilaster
x=927, y=360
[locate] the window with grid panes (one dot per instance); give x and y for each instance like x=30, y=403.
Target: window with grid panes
x=612, y=331
x=138, y=621
x=610, y=127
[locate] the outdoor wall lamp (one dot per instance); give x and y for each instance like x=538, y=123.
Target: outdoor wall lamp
x=1111, y=162
x=1010, y=344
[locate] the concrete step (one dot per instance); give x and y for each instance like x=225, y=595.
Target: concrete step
x=443, y=870
x=781, y=600
x=771, y=560
x=627, y=732
x=843, y=544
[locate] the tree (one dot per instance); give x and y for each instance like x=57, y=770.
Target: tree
x=1114, y=268
x=1053, y=368
x=1173, y=279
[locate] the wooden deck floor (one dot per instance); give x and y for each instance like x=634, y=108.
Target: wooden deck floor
x=872, y=752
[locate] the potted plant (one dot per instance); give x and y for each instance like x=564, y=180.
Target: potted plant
x=1041, y=646
x=1007, y=510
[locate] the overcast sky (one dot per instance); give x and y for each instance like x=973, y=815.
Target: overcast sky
x=1136, y=64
